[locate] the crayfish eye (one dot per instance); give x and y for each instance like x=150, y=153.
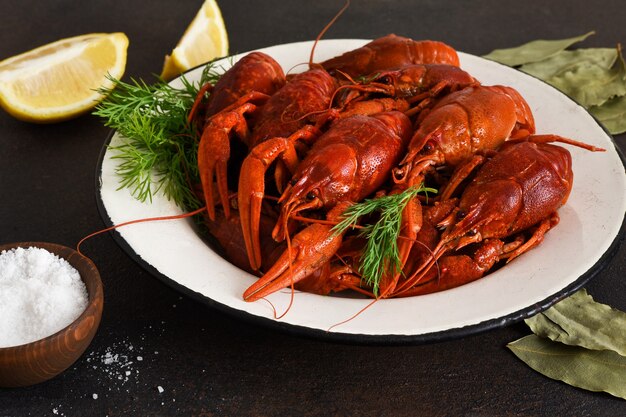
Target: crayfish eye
x=386, y=79
x=461, y=214
x=429, y=146
x=310, y=196
x=472, y=232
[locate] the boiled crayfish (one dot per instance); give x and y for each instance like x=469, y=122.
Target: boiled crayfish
x=381, y=119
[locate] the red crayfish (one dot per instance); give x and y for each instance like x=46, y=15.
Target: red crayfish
x=388, y=116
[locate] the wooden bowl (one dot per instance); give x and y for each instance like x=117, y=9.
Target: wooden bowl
x=44, y=359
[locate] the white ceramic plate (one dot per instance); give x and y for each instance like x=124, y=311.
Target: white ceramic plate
x=571, y=254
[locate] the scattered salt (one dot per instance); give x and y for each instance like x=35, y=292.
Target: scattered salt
x=40, y=294
x=118, y=367
x=95, y=396
x=110, y=358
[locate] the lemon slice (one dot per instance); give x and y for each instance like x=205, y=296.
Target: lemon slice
x=58, y=81
x=205, y=39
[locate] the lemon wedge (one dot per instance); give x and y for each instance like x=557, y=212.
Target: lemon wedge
x=205, y=39
x=58, y=81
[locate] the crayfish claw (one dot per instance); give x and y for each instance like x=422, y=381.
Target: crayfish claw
x=310, y=249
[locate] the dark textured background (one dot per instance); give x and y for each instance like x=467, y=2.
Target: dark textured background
x=207, y=362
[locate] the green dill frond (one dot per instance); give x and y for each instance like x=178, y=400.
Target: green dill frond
x=159, y=149
x=380, y=254
x=366, y=79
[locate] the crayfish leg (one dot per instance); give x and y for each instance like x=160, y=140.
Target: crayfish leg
x=455, y=270
x=557, y=138
x=460, y=174
x=536, y=238
x=332, y=278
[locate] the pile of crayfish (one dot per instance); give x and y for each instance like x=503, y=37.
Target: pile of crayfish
x=281, y=158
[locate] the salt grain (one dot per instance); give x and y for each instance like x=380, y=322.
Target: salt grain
x=40, y=294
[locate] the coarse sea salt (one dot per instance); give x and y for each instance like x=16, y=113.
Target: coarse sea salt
x=40, y=294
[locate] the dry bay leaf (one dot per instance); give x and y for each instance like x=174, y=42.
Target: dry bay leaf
x=593, y=370
x=533, y=51
x=612, y=114
x=590, y=76
x=565, y=61
x=580, y=321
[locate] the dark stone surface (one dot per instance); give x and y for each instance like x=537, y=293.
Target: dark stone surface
x=207, y=362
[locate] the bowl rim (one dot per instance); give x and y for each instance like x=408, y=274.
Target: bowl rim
x=72, y=257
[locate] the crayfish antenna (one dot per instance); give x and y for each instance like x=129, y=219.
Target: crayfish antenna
x=325, y=29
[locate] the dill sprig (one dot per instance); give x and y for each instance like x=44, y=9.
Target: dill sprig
x=380, y=254
x=158, y=152
x=366, y=79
